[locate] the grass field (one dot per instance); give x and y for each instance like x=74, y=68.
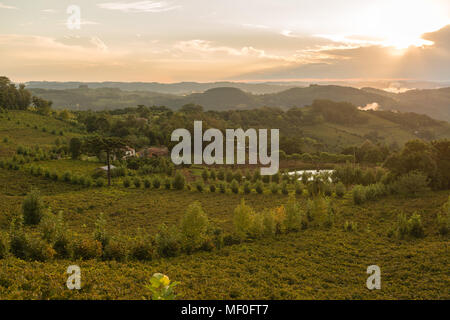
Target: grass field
x=311, y=264
x=316, y=263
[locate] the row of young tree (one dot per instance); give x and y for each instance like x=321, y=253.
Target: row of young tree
x=194, y=232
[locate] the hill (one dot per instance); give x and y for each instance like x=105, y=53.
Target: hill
x=432, y=102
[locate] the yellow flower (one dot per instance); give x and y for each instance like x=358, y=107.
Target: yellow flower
x=165, y=281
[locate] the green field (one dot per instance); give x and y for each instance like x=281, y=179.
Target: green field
x=313, y=263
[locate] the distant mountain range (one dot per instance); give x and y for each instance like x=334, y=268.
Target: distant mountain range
x=432, y=102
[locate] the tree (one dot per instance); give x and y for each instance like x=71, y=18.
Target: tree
x=42, y=106
x=75, y=148
x=109, y=145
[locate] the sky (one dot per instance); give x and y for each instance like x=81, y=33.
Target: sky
x=210, y=40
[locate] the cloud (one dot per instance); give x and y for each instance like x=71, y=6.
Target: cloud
x=348, y=60
x=370, y=106
x=49, y=10
x=139, y=6
x=4, y=6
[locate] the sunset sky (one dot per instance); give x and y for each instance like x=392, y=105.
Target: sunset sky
x=209, y=40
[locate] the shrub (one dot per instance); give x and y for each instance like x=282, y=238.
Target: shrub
x=351, y=226
x=443, y=218
x=179, y=181
x=62, y=246
x=167, y=183
x=156, y=183
x=266, y=178
x=221, y=174
x=234, y=186
x=415, y=227
x=100, y=182
x=242, y=220
x=330, y=214
x=126, y=183
x=199, y=186
x=137, y=182
x=213, y=174
x=147, y=183
x=293, y=215
x=276, y=178
x=52, y=226
x=39, y=250
x=268, y=223
x=4, y=245
x=299, y=187
x=88, y=182
x=205, y=175
x=340, y=189
x=411, y=184
x=194, y=227
x=67, y=176
x=412, y=226
x=168, y=241
x=212, y=188
x=100, y=233
x=259, y=187
x=238, y=176
x=32, y=208
x=274, y=188
x=87, y=249
x=359, y=194
x=229, y=176
x=142, y=249
x=222, y=187
x=54, y=176
x=284, y=188
x=327, y=191
x=247, y=187
x=115, y=250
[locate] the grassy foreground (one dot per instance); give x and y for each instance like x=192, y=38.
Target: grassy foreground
x=315, y=263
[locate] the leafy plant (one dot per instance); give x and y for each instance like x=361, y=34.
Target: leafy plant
x=161, y=287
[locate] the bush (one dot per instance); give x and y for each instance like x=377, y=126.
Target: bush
x=87, y=249
x=293, y=215
x=156, y=183
x=259, y=187
x=443, y=218
x=222, y=187
x=54, y=176
x=193, y=227
x=147, y=183
x=299, y=187
x=52, y=226
x=126, y=183
x=142, y=249
x=229, y=176
x=88, y=182
x=247, y=187
x=359, y=194
x=115, y=250
x=168, y=241
x=234, y=186
x=242, y=220
x=100, y=182
x=212, y=188
x=179, y=181
x=412, y=226
x=100, y=233
x=340, y=189
x=221, y=174
x=274, y=188
x=39, y=250
x=4, y=245
x=415, y=227
x=137, y=182
x=284, y=188
x=32, y=208
x=199, y=186
x=351, y=226
x=327, y=191
x=67, y=176
x=411, y=184
x=167, y=184
x=205, y=175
